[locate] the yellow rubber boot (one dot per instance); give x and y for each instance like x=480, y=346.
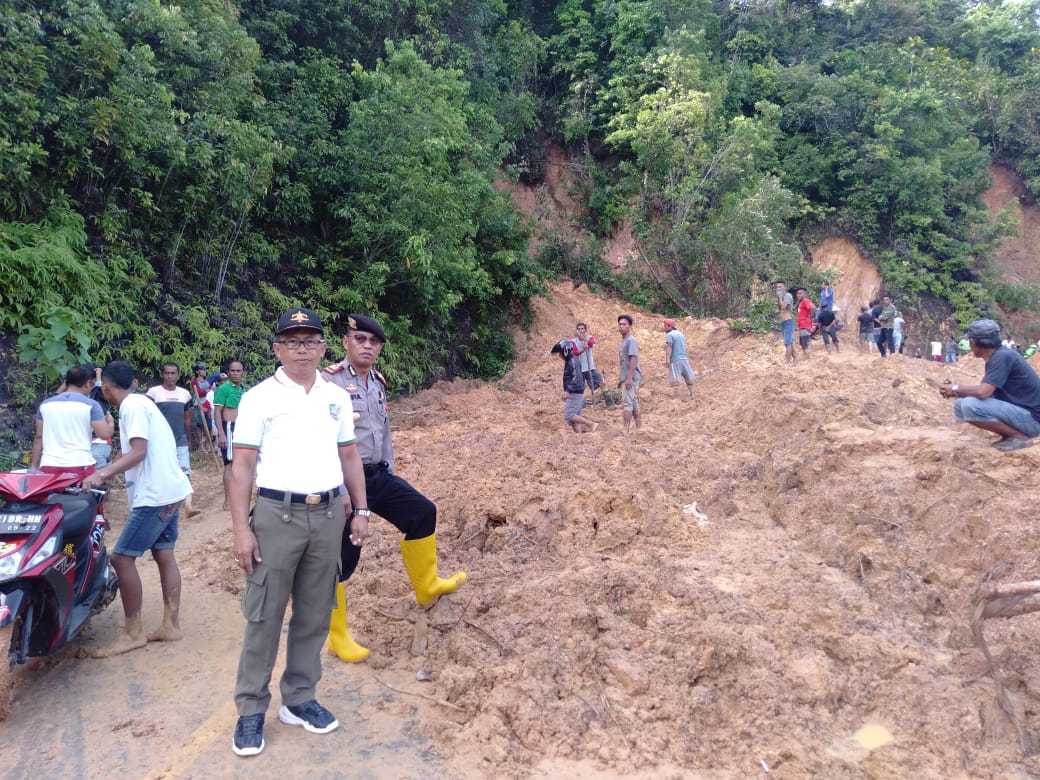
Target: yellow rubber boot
x=420, y=561
x=341, y=643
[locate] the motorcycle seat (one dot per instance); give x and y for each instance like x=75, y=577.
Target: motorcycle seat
x=79, y=515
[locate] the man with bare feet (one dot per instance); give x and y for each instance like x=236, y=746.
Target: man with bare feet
x=176, y=405
x=785, y=303
x=573, y=388
x=865, y=320
x=155, y=487
x=1007, y=401
x=805, y=310
x=629, y=375
x=585, y=345
x=828, y=327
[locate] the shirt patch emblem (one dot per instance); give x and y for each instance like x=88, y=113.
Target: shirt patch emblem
x=334, y=410
x=351, y=388
x=357, y=416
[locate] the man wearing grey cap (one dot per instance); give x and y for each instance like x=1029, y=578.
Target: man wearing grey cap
x=1007, y=401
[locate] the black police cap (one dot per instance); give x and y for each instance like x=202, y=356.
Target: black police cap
x=366, y=324
x=299, y=318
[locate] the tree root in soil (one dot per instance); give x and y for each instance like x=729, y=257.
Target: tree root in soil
x=1019, y=598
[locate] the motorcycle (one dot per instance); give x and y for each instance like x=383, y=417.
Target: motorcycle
x=54, y=568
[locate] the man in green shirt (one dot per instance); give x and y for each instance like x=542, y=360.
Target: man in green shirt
x=225, y=412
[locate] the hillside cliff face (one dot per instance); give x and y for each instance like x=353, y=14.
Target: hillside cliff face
x=1019, y=257
x=552, y=209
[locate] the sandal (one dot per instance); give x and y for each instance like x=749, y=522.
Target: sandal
x=1012, y=444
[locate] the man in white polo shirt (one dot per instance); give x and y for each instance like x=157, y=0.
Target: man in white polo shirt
x=296, y=432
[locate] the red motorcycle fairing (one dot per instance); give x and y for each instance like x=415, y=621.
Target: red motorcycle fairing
x=34, y=485
x=33, y=542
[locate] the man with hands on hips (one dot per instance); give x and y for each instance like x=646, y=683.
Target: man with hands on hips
x=296, y=432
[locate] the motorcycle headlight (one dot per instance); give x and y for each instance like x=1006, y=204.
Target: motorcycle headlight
x=10, y=564
x=44, y=552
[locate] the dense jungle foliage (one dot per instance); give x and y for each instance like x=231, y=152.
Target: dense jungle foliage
x=174, y=174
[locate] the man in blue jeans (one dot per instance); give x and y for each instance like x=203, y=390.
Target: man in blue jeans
x=1007, y=401
x=785, y=304
x=155, y=489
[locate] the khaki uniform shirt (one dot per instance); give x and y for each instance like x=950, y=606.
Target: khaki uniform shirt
x=371, y=418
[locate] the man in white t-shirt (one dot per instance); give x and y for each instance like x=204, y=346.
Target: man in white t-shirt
x=65, y=424
x=897, y=331
x=155, y=488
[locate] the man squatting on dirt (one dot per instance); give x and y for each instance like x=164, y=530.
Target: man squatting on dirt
x=295, y=432
x=155, y=489
x=388, y=495
x=1007, y=401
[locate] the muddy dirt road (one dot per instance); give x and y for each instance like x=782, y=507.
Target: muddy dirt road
x=166, y=711
x=773, y=579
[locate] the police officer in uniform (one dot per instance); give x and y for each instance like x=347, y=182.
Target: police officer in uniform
x=295, y=431
x=388, y=495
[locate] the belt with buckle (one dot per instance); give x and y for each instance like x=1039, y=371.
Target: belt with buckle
x=301, y=498
x=373, y=468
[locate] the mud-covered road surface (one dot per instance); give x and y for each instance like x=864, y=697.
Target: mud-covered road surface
x=774, y=578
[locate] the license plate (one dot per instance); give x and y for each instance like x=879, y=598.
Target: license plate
x=20, y=522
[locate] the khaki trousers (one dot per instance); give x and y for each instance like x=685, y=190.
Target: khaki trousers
x=300, y=545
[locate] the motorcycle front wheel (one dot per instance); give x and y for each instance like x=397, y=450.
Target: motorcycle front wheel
x=6, y=668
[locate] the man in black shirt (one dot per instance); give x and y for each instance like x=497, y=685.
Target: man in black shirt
x=1007, y=401
x=866, y=328
x=828, y=327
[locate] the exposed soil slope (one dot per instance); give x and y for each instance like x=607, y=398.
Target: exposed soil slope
x=1019, y=256
x=820, y=585
x=858, y=283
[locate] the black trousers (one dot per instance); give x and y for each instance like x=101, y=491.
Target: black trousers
x=389, y=496
x=886, y=339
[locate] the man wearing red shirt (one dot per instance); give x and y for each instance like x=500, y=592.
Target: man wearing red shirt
x=805, y=318
x=203, y=411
